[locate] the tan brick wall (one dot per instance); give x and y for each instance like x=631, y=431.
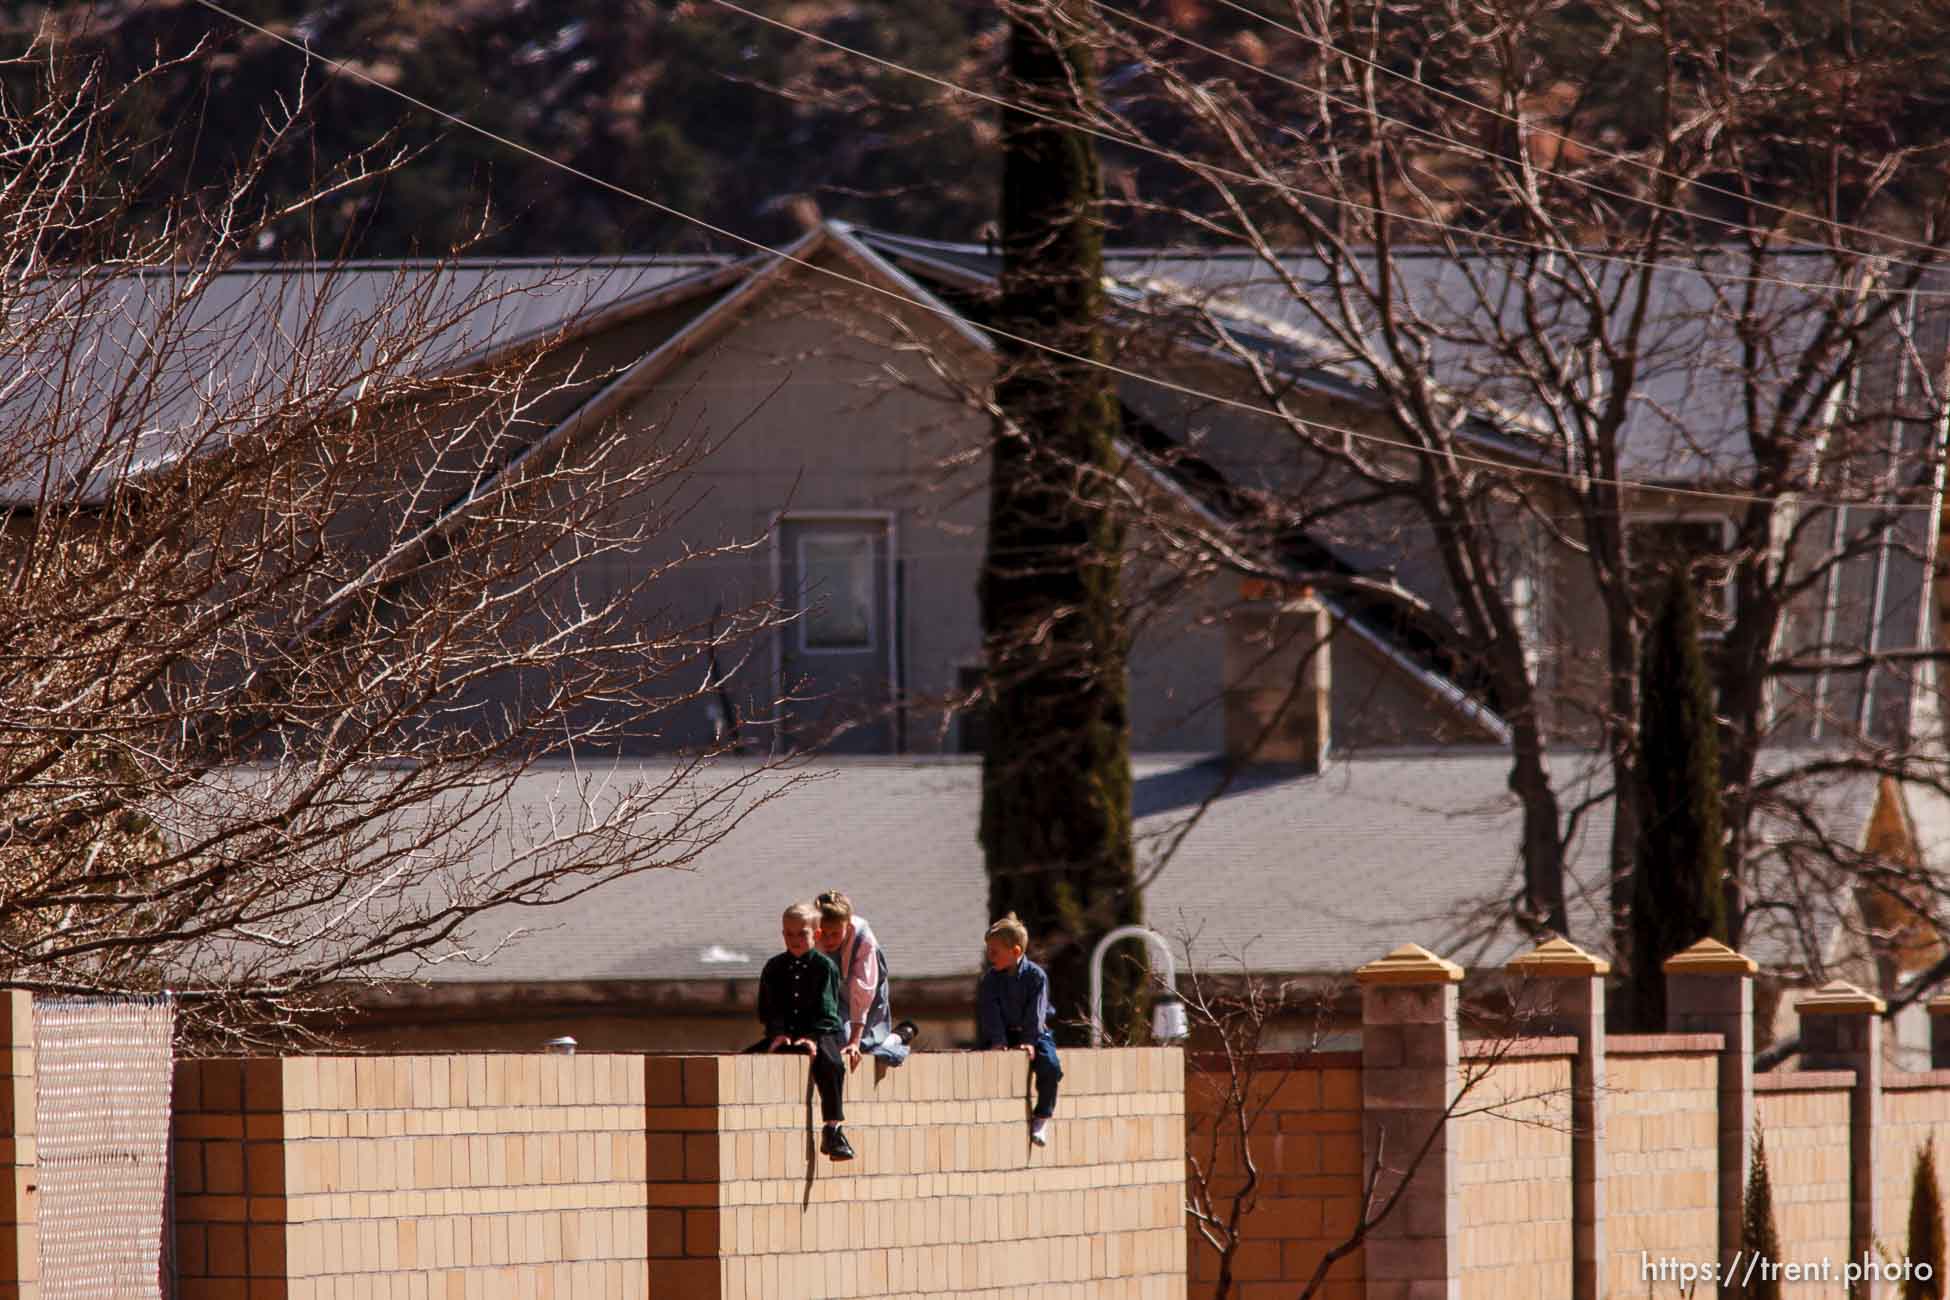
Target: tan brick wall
x=673, y=1178
x=948, y=1197
x=1807, y=1133
x=1304, y=1114
x=475, y=1177
x=1513, y=1136
x=1661, y=1144
x=1915, y=1107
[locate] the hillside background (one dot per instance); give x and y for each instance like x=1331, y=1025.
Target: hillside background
x=755, y=129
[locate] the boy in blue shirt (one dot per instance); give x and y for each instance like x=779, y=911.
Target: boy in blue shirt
x=1012, y=1010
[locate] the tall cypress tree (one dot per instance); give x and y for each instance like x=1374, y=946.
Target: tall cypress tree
x=1925, y=1229
x=1759, y=1239
x=1056, y=784
x=1677, y=896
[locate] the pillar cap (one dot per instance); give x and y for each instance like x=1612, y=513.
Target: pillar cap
x=1710, y=957
x=1410, y=964
x=1840, y=998
x=1558, y=959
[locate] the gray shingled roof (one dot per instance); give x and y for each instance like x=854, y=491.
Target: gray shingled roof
x=144, y=368
x=1686, y=420
x=1299, y=873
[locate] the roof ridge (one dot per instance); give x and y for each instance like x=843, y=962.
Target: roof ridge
x=1416, y=252
x=389, y=264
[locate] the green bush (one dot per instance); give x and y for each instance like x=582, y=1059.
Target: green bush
x=1758, y=1237
x=1925, y=1229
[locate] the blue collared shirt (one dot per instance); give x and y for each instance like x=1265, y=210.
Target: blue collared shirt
x=1012, y=1002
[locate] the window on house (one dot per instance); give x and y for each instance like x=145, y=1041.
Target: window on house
x=838, y=571
x=1699, y=543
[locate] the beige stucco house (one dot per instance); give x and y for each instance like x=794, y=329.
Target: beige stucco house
x=844, y=403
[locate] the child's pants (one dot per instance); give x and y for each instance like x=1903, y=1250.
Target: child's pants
x=828, y=1071
x=1047, y=1069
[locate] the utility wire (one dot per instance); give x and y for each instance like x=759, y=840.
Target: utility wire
x=1481, y=154
x=948, y=313
x=1293, y=191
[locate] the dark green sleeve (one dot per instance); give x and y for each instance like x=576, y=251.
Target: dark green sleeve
x=767, y=1003
x=830, y=1020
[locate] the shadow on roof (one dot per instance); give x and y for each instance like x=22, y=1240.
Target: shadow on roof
x=1188, y=786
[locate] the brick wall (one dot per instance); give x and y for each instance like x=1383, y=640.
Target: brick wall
x=1304, y=1113
x=631, y=1178
x=947, y=1196
x=1804, y=1120
x=476, y=1176
x=1915, y=1107
x=1661, y=1193
x=1513, y=1131
x=227, y=1147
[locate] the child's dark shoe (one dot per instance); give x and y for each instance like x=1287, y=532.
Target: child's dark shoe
x=835, y=1146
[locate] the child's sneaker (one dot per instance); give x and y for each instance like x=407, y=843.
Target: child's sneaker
x=1039, y=1132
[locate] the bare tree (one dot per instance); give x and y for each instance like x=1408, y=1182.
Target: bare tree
x=1237, y=1090
x=306, y=569
x=1534, y=302
x=1223, y=1181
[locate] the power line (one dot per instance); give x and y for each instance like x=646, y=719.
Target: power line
x=1328, y=47
x=1485, y=155
x=948, y=313
x=1294, y=191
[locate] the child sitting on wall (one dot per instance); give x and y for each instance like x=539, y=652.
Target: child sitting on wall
x=846, y=937
x=799, y=1003
x=1012, y=1010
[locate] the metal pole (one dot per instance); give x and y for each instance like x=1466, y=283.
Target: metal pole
x=1097, y=971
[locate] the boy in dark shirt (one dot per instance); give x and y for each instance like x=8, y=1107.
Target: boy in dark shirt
x=1012, y=1010
x=799, y=1002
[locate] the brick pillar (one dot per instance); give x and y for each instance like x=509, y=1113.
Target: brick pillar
x=1410, y=1062
x=687, y=1171
x=1841, y=1029
x=1562, y=991
x=1710, y=990
x=1939, y=1008
x=20, y=1246
x=227, y=1142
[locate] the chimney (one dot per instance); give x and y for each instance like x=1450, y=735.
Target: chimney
x=1277, y=678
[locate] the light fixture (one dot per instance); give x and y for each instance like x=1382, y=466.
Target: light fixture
x=1168, y=1018
x=1167, y=1013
